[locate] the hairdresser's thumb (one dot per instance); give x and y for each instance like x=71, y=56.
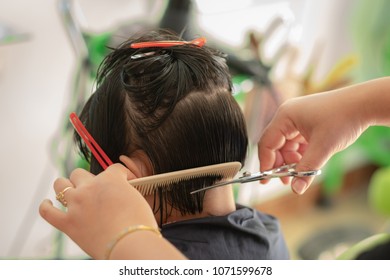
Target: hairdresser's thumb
x=300, y=184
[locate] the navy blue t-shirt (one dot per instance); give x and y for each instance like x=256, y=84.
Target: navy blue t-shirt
x=245, y=234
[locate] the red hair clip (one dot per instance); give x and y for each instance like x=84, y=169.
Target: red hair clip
x=164, y=44
x=94, y=147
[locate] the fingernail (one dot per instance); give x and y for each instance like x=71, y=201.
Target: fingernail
x=299, y=186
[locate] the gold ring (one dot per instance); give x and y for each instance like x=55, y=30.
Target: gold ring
x=61, y=196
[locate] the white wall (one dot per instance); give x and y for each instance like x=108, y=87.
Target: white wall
x=35, y=83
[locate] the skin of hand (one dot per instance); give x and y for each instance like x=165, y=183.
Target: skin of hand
x=98, y=208
x=308, y=130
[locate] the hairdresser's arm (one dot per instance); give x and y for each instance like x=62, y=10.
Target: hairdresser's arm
x=99, y=208
x=310, y=129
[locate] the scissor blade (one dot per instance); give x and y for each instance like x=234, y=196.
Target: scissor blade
x=221, y=184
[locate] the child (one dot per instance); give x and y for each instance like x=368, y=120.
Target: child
x=160, y=109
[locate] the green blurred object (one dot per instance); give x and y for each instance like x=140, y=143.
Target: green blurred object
x=375, y=144
x=379, y=191
x=82, y=163
x=365, y=245
x=97, y=45
x=240, y=89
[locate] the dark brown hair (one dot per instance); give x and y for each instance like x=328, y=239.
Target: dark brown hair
x=175, y=104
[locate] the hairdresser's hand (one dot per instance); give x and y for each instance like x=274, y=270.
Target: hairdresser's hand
x=98, y=208
x=309, y=130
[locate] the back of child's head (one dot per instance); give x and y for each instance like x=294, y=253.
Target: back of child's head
x=174, y=103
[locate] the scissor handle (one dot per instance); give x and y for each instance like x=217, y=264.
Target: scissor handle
x=281, y=171
x=306, y=173
x=302, y=173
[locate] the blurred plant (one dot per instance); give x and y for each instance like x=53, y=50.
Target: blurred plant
x=371, y=34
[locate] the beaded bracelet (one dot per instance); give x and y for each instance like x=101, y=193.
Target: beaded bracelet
x=127, y=231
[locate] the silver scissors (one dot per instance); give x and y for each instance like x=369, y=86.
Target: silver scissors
x=282, y=171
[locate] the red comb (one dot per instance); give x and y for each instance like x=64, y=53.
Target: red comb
x=163, y=44
x=94, y=147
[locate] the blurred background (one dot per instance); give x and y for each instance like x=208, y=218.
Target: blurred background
x=49, y=53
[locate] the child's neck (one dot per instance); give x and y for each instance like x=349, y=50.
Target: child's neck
x=217, y=202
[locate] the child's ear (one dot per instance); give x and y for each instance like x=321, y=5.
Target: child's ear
x=138, y=164
x=131, y=165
